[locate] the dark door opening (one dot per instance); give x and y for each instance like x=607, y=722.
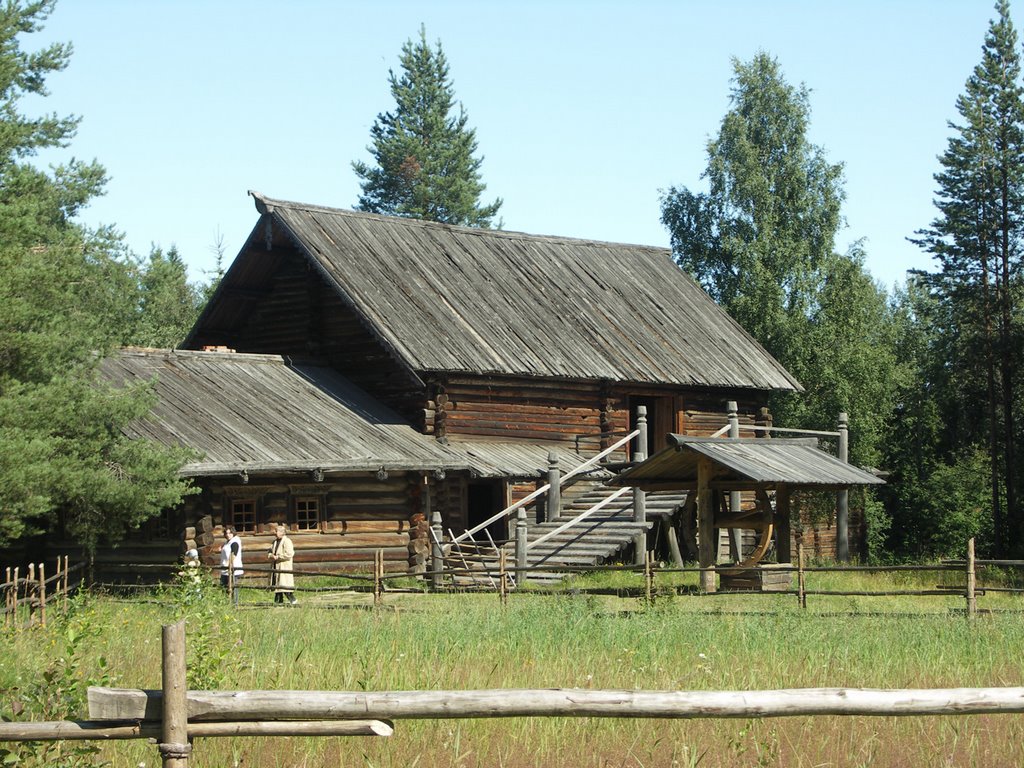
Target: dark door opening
x=483, y=499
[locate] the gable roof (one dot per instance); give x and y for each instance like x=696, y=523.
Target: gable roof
x=757, y=461
x=459, y=300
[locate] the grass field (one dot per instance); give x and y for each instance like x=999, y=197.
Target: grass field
x=466, y=641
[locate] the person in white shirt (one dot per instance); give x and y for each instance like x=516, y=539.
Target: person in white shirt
x=231, y=560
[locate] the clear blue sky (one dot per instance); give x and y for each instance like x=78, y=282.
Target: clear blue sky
x=584, y=111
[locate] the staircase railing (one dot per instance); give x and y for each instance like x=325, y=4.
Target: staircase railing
x=581, y=516
x=544, y=489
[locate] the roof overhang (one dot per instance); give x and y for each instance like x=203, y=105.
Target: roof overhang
x=744, y=464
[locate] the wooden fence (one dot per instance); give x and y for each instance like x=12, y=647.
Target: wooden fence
x=175, y=716
x=28, y=594
x=794, y=580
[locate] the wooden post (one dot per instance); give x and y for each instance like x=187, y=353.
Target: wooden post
x=378, y=573
x=649, y=577
x=801, y=593
x=521, y=554
x=42, y=594
x=232, y=595
x=174, y=746
x=14, y=601
x=437, y=527
x=972, y=600
x=783, y=527
x=640, y=496
x=843, y=496
x=32, y=593
x=503, y=576
x=7, y=597
x=735, y=497
x=707, y=545
x=65, y=582
x=554, y=505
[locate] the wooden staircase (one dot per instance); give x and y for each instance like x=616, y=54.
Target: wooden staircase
x=602, y=537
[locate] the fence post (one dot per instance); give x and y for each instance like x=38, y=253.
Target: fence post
x=232, y=594
x=843, y=496
x=521, y=544
x=972, y=600
x=14, y=601
x=503, y=576
x=7, y=597
x=649, y=577
x=174, y=745
x=65, y=582
x=800, y=585
x=378, y=573
x=31, y=593
x=42, y=594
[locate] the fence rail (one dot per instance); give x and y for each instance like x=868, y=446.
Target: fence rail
x=174, y=715
x=27, y=596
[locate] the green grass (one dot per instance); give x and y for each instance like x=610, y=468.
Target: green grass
x=466, y=641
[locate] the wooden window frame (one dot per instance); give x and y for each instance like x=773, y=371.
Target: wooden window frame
x=301, y=522
x=239, y=520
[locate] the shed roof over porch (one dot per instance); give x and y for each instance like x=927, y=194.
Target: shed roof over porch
x=748, y=463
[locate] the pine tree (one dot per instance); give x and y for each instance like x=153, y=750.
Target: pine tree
x=424, y=153
x=976, y=241
x=67, y=296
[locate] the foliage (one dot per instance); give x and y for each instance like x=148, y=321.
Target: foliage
x=169, y=304
x=424, y=154
x=976, y=241
x=68, y=296
x=211, y=627
x=757, y=239
x=58, y=692
x=761, y=242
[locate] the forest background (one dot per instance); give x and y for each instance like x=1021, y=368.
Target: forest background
x=928, y=371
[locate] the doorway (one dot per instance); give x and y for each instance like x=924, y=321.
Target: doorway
x=483, y=499
x=660, y=420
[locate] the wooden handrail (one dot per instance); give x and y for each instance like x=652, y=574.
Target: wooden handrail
x=544, y=489
x=600, y=505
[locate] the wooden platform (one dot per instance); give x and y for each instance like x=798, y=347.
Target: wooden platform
x=770, y=577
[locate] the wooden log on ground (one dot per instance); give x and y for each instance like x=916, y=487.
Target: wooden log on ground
x=69, y=730
x=134, y=704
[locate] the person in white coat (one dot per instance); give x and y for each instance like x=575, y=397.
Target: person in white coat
x=282, y=554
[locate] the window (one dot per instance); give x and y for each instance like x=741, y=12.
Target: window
x=307, y=513
x=243, y=515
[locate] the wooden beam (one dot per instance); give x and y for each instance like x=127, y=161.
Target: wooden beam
x=86, y=730
x=707, y=542
x=574, y=702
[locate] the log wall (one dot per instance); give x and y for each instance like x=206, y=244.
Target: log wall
x=359, y=515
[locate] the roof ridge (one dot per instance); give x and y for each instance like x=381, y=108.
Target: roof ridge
x=266, y=204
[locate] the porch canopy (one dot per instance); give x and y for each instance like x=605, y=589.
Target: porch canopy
x=708, y=465
x=748, y=464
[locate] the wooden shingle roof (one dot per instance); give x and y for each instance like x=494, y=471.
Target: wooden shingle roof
x=262, y=413
x=461, y=300
x=757, y=462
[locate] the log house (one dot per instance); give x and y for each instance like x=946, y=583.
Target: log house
x=350, y=365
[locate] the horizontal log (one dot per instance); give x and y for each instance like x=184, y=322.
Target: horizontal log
x=134, y=704
x=366, y=526
x=67, y=730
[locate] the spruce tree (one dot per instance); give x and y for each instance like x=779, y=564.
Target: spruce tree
x=976, y=240
x=424, y=152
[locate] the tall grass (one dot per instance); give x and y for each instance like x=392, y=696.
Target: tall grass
x=470, y=641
